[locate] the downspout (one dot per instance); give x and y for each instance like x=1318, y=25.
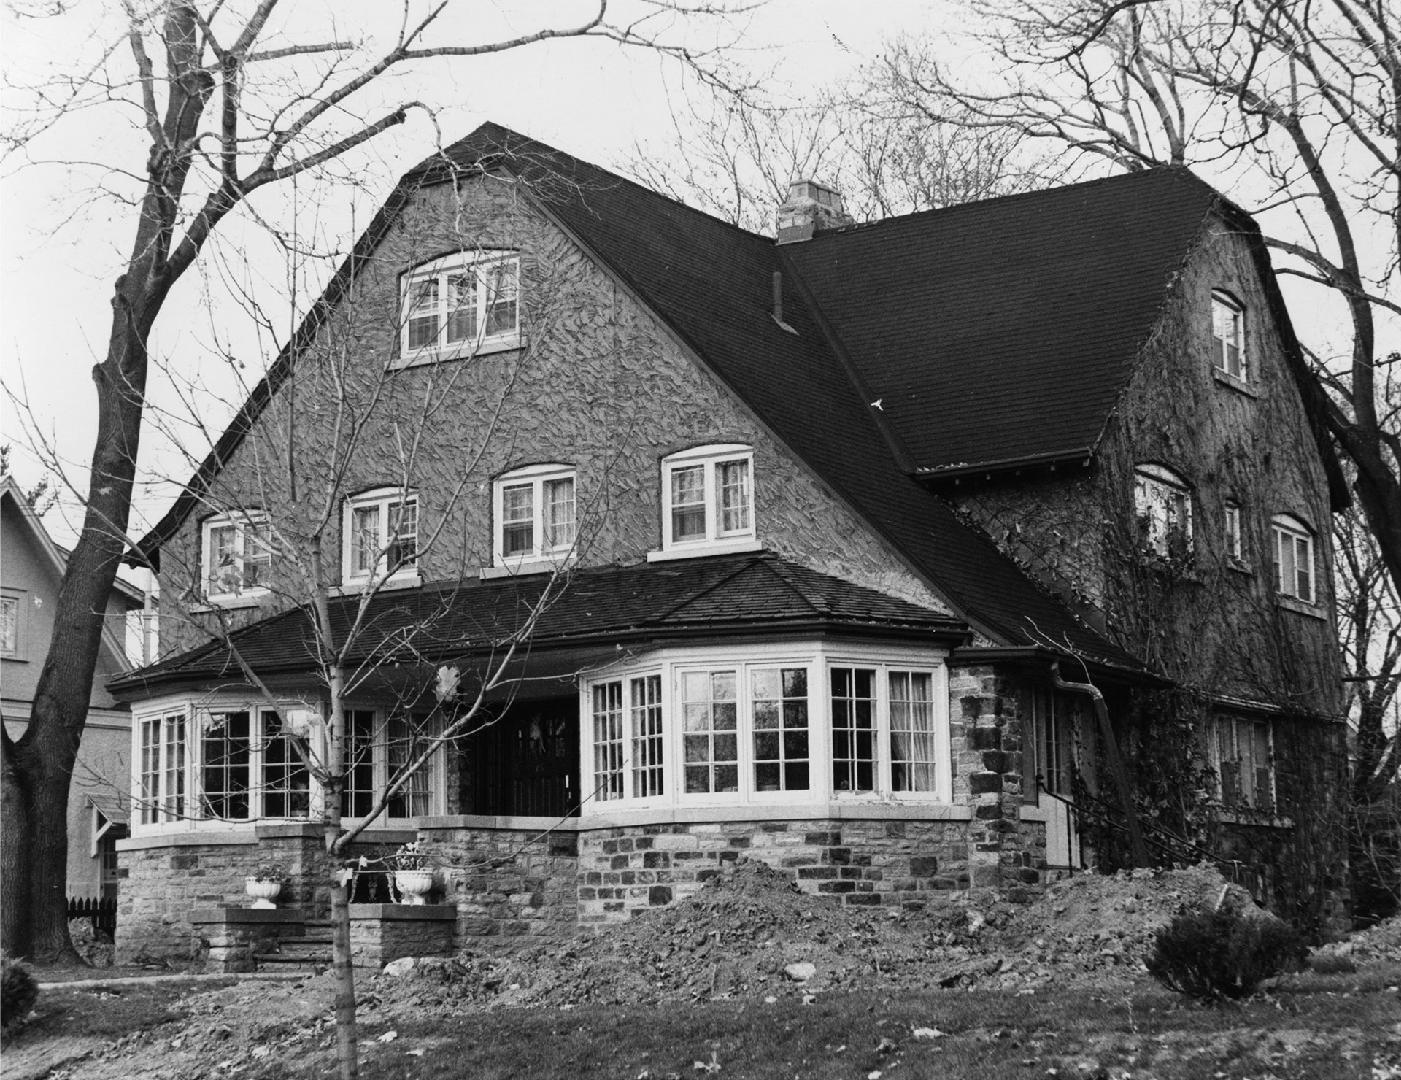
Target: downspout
x=1138, y=853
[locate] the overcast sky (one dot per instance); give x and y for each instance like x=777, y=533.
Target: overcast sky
x=63, y=241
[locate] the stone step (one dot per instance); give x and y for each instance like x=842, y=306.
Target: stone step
x=309, y=953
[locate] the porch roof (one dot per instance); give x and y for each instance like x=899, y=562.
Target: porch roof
x=459, y=620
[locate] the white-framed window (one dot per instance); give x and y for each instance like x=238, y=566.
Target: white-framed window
x=778, y=727
x=460, y=305
x=535, y=514
x=1295, y=574
x=708, y=500
x=380, y=530
x=1228, y=335
x=1243, y=756
x=236, y=555
x=1163, y=506
x=12, y=614
x=160, y=789
x=248, y=768
x=1232, y=533
x=378, y=744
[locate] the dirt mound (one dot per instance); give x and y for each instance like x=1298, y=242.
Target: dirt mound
x=1381, y=942
x=751, y=932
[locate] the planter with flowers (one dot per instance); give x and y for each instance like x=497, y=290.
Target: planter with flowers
x=265, y=883
x=413, y=873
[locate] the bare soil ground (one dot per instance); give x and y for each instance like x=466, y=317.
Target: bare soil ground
x=754, y=978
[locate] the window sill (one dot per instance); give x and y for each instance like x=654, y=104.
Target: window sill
x=1240, y=566
x=527, y=567
x=396, y=581
x=1234, y=382
x=439, y=356
x=1301, y=607
x=231, y=603
x=697, y=551
x=1257, y=818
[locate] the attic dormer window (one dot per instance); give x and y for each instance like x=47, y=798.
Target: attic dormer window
x=1228, y=335
x=707, y=501
x=459, y=306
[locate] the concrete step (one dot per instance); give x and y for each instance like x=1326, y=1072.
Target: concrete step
x=310, y=953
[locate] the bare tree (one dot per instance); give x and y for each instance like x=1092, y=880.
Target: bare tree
x=233, y=99
x=735, y=158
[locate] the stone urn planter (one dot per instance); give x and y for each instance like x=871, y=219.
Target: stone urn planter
x=414, y=885
x=264, y=893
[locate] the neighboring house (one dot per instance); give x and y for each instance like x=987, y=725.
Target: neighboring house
x=833, y=506
x=31, y=568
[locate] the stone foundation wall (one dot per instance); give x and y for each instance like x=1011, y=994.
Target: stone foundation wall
x=169, y=877
x=510, y=885
x=905, y=863
x=380, y=933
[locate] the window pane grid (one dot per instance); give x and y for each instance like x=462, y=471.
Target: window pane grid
x=227, y=752
x=358, y=794
x=517, y=520
x=559, y=513
x=913, y=754
x=780, y=711
x=402, y=546
x=688, y=503
x=365, y=534
x=608, y=741
x=733, y=482
x=853, y=729
x=286, y=783
x=710, y=726
x=404, y=739
x=150, y=780
x=648, y=737
x=172, y=787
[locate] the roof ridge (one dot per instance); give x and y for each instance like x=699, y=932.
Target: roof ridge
x=782, y=571
x=705, y=590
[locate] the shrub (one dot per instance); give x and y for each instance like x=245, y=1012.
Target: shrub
x=1210, y=955
x=18, y=992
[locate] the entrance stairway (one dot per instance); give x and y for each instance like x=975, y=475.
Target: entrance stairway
x=310, y=953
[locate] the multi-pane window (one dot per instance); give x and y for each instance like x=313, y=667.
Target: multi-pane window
x=248, y=767
x=710, y=730
x=161, y=778
x=377, y=747
x=9, y=624
x=1244, y=762
x=709, y=497
x=914, y=754
x=608, y=741
x=286, y=781
x=767, y=730
x=1228, y=335
x=648, y=737
x=381, y=530
x=1163, y=506
x=460, y=303
x=779, y=698
x=1233, y=539
x=237, y=555
x=853, y=705
x=226, y=751
x=535, y=513
x=1294, y=559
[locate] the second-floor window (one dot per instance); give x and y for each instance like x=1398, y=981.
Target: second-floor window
x=1228, y=335
x=11, y=609
x=535, y=514
x=1163, y=505
x=381, y=535
x=1294, y=558
x=1232, y=537
x=460, y=304
x=237, y=555
x=708, y=497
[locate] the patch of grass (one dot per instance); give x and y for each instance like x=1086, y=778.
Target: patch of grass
x=101, y=1014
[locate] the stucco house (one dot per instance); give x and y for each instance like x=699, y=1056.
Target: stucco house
x=823, y=513
x=31, y=568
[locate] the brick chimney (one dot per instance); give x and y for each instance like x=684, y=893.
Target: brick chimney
x=810, y=208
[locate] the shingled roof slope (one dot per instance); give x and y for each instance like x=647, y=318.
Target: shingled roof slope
x=712, y=284
x=443, y=622
x=1005, y=330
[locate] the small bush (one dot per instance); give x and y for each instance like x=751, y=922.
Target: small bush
x=1210, y=955
x=18, y=992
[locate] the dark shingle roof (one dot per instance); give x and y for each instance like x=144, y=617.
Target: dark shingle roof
x=605, y=606
x=1004, y=330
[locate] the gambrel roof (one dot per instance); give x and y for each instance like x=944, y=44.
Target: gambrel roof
x=981, y=336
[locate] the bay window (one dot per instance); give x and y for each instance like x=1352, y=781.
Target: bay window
x=248, y=767
x=773, y=727
x=160, y=787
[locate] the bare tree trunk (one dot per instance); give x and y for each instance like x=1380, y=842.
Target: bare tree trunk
x=347, y=1032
